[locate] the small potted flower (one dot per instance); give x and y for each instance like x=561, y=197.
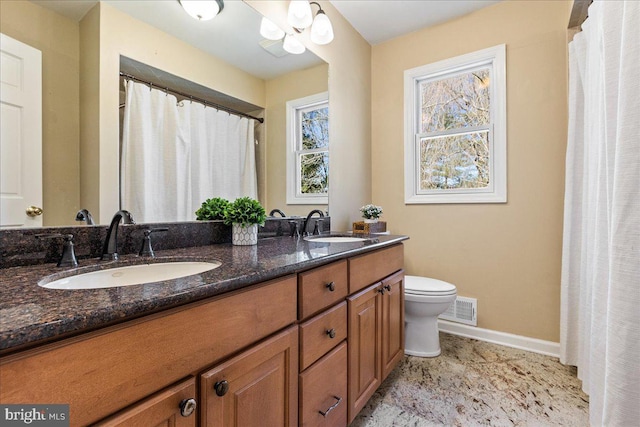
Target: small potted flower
x=212, y=209
x=371, y=213
x=244, y=215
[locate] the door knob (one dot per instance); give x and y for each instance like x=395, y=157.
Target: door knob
x=34, y=211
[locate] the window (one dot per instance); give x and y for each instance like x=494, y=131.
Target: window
x=455, y=130
x=308, y=150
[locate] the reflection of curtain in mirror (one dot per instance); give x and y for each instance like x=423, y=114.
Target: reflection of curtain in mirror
x=174, y=156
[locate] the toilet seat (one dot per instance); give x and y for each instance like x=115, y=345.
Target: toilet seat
x=426, y=286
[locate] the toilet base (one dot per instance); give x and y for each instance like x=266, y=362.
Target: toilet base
x=422, y=354
x=422, y=339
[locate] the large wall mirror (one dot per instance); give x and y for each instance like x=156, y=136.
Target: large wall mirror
x=84, y=45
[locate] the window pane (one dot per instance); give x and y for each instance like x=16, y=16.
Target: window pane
x=314, y=176
x=455, y=161
x=315, y=128
x=455, y=102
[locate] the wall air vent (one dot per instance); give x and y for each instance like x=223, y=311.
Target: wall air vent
x=462, y=310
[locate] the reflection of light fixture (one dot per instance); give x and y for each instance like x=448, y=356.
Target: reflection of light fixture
x=202, y=10
x=293, y=45
x=270, y=31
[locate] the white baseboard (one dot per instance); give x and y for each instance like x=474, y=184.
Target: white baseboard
x=535, y=345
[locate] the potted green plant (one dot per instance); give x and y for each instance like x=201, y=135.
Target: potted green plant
x=244, y=215
x=371, y=213
x=212, y=209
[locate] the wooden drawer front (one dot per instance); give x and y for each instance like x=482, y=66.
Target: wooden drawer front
x=314, y=291
x=260, y=387
x=102, y=372
x=373, y=267
x=323, y=388
x=163, y=408
x=315, y=334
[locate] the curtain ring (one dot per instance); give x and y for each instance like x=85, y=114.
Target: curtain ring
x=150, y=86
x=166, y=91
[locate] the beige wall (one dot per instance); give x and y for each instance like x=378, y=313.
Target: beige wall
x=294, y=85
x=506, y=255
x=57, y=38
x=349, y=59
x=120, y=34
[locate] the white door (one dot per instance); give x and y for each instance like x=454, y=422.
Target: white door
x=21, y=139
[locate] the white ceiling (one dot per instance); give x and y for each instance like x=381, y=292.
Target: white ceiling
x=233, y=35
x=381, y=20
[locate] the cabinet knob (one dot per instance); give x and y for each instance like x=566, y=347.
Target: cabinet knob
x=388, y=288
x=381, y=290
x=332, y=333
x=331, y=286
x=221, y=387
x=187, y=406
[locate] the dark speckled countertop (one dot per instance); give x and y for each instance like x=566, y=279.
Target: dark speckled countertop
x=31, y=315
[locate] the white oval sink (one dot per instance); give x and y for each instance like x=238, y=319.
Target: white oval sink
x=131, y=275
x=335, y=239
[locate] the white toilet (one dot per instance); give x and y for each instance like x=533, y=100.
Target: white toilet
x=425, y=299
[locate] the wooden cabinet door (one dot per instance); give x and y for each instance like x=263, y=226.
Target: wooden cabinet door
x=392, y=322
x=363, y=347
x=259, y=387
x=161, y=409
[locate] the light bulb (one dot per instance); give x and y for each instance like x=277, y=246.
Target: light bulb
x=293, y=45
x=299, y=15
x=202, y=10
x=269, y=30
x=321, y=30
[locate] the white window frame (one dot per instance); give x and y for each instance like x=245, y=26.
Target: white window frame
x=294, y=195
x=493, y=58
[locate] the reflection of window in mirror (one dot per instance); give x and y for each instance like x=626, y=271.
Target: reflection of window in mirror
x=308, y=149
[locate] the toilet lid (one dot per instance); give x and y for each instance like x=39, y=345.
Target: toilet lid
x=427, y=286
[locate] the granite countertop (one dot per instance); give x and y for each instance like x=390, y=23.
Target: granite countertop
x=31, y=315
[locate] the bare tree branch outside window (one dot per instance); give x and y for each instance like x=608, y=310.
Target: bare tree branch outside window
x=314, y=165
x=455, y=115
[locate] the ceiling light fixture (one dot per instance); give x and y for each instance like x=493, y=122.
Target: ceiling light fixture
x=202, y=10
x=300, y=16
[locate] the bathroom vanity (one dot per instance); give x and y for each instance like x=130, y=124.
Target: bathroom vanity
x=288, y=332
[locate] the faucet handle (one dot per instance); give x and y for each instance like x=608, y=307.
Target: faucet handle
x=68, y=258
x=146, y=250
x=294, y=228
x=316, y=230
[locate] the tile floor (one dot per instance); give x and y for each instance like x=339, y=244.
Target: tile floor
x=474, y=383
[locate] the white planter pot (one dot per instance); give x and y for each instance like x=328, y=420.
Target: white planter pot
x=371, y=220
x=243, y=236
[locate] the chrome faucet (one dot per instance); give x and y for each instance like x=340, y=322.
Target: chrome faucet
x=110, y=248
x=306, y=221
x=85, y=215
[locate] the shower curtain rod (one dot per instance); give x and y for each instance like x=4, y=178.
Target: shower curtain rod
x=191, y=98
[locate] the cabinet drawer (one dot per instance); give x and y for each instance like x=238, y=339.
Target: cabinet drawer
x=323, y=391
x=321, y=287
x=372, y=267
x=316, y=334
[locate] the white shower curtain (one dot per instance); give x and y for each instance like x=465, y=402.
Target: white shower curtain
x=176, y=155
x=600, y=296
